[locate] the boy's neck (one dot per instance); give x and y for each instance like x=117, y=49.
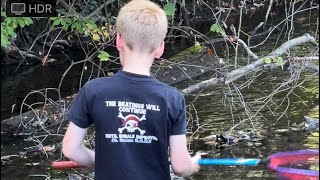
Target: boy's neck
x=137, y=63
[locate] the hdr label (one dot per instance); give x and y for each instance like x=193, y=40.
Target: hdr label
x=31, y=8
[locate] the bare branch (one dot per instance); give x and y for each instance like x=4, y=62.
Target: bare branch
x=238, y=73
x=245, y=46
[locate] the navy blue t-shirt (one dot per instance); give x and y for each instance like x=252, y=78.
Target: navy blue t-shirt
x=134, y=116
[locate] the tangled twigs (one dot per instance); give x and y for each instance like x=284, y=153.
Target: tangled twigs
x=51, y=113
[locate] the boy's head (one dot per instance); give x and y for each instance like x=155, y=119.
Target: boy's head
x=142, y=25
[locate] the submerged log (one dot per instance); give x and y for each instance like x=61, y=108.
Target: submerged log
x=186, y=65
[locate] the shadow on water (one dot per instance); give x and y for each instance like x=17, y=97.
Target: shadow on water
x=15, y=85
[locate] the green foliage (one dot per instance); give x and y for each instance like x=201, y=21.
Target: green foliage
x=83, y=26
x=217, y=29
x=277, y=60
x=267, y=60
x=103, y=56
x=9, y=25
x=169, y=9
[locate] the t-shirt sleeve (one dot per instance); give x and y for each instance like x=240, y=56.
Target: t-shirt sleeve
x=179, y=123
x=79, y=112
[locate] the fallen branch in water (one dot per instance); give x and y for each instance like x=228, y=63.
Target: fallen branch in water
x=9, y=156
x=5, y=159
x=240, y=72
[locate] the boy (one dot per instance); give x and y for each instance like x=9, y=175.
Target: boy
x=136, y=117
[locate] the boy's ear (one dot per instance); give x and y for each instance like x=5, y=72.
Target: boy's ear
x=119, y=42
x=160, y=50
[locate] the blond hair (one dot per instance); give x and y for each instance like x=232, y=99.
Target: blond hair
x=142, y=24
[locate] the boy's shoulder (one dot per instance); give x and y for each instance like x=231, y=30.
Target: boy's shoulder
x=155, y=84
x=97, y=81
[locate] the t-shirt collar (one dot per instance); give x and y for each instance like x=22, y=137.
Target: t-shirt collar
x=133, y=76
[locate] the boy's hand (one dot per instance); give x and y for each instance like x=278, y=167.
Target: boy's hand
x=195, y=159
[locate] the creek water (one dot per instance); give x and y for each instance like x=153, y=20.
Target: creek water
x=277, y=135
x=215, y=118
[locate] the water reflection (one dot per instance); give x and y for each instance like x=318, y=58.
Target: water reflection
x=278, y=135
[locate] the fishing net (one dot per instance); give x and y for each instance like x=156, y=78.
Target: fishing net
x=295, y=165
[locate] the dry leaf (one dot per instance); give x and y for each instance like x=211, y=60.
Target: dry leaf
x=109, y=73
x=49, y=148
x=95, y=37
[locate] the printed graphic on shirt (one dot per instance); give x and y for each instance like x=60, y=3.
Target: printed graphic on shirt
x=131, y=115
x=131, y=123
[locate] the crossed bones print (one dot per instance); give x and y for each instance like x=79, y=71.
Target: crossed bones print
x=131, y=123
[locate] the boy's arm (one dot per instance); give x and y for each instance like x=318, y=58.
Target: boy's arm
x=181, y=161
x=73, y=147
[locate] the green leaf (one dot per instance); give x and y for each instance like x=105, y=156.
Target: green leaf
x=169, y=9
x=3, y=14
x=14, y=35
x=103, y=56
x=10, y=31
x=69, y=20
x=65, y=26
x=267, y=60
x=4, y=41
x=89, y=21
x=8, y=20
x=14, y=24
x=80, y=30
x=21, y=22
x=56, y=22
x=4, y=32
x=74, y=25
x=215, y=28
x=63, y=21
x=28, y=21
x=279, y=61
x=79, y=26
